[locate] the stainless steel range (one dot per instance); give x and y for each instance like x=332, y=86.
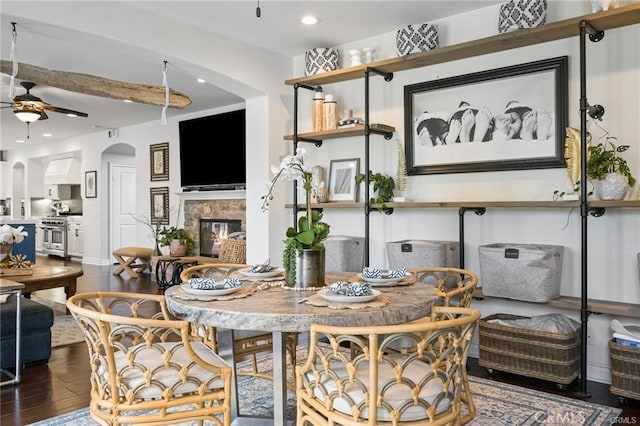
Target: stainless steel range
x=54, y=235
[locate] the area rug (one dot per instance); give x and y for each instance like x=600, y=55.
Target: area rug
x=65, y=330
x=496, y=404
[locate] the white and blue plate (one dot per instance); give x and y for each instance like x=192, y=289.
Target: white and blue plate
x=268, y=274
x=330, y=296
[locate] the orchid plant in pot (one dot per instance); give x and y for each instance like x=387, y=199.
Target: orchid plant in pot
x=303, y=255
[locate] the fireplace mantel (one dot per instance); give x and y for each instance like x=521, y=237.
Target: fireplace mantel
x=213, y=195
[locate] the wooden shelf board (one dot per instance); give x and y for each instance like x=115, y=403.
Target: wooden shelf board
x=332, y=205
x=478, y=204
x=621, y=203
x=612, y=18
x=343, y=132
x=594, y=306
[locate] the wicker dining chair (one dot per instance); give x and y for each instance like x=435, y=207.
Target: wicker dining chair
x=146, y=367
x=246, y=343
x=383, y=387
x=454, y=286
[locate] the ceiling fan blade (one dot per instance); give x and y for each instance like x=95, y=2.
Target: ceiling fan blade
x=65, y=110
x=43, y=115
x=97, y=86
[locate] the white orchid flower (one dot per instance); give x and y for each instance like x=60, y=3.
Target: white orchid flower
x=10, y=235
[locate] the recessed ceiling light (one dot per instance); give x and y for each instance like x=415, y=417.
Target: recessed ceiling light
x=72, y=115
x=201, y=80
x=129, y=101
x=19, y=141
x=309, y=20
x=47, y=135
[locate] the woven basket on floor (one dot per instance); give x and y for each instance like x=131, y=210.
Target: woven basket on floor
x=625, y=370
x=543, y=355
x=233, y=251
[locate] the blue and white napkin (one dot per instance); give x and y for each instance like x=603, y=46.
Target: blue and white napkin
x=379, y=274
x=261, y=267
x=211, y=284
x=344, y=288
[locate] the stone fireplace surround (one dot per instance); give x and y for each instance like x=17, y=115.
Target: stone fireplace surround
x=194, y=210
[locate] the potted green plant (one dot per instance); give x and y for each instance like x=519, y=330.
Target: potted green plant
x=382, y=186
x=304, y=247
x=178, y=240
x=609, y=173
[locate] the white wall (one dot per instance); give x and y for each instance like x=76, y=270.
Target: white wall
x=613, y=79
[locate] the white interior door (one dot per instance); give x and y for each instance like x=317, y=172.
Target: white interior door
x=122, y=194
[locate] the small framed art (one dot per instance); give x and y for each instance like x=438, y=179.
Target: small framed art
x=91, y=184
x=160, y=205
x=159, y=161
x=342, y=179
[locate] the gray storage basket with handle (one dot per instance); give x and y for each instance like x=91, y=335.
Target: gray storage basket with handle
x=423, y=254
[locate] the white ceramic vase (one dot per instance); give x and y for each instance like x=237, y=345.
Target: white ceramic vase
x=614, y=186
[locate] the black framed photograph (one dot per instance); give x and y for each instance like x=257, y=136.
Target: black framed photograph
x=510, y=118
x=160, y=205
x=159, y=161
x=342, y=179
x=91, y=184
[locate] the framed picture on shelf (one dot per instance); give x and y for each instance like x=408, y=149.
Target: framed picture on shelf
x=510, y=118
x=342, y=179
x=91, y=184
x=160, y=205
x=159, y=154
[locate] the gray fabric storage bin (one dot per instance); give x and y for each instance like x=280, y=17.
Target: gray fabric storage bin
x=423, y=254
x=527, y=272
x=344, y=253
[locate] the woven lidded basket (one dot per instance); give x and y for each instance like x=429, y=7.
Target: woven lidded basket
x=544, y=355
x=625, y=370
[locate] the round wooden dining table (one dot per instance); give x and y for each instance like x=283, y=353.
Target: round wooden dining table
x=281, y=310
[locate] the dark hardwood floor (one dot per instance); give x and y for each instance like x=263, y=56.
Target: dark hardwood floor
x=62, y=385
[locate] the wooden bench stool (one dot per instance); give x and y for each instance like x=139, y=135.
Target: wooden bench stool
x=126, y=256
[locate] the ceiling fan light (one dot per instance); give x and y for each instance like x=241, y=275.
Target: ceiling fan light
x=27, y=116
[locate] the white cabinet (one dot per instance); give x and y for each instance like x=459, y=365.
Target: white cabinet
x=75, y=237
x=39, y=238
x=58, y=192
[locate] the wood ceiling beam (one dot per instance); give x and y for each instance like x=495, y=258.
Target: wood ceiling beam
x=97, y=86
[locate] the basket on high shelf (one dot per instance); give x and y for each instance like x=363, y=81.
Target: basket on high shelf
x=539, y=354
x=625, y=370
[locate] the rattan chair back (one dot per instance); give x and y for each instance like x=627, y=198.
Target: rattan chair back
x=217, y=271
x=379, y=386
x=454, y=286
x=146, y=367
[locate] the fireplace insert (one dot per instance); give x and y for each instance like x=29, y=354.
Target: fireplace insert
x=213, y=231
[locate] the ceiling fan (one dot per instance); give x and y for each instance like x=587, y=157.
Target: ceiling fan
x=29, y=108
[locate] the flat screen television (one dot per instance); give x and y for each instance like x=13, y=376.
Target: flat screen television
x=213, y=152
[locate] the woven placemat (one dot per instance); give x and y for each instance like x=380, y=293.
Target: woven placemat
x=317, y=300
x=239, y=294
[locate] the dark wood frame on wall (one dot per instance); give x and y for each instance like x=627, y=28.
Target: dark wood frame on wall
x=89, y=191
x=159, y=205
x=159, y=161
x=434, y=111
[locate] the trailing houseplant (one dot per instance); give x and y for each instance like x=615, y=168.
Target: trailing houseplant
x=168, y=235
x=383, y=186
x=603, y=163
x=311, y=231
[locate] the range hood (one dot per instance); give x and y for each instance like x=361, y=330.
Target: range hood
x=64, y=171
